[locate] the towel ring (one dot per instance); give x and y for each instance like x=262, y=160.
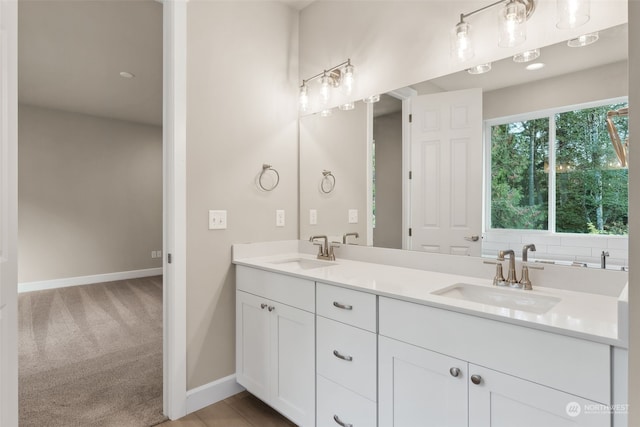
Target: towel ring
x=328, y=182
x=266, y=168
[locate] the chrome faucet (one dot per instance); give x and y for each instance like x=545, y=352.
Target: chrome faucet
x=525, y=249
x=512, y=280
x=344, y=237
x=325, y=251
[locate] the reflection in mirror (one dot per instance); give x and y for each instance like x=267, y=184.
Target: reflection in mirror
x=571, y=77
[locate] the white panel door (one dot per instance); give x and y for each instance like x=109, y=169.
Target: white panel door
x=253, y=344
x=417, y=387
x=293, y=363
x=446, y=165
x=8, y=214
x=501, y=400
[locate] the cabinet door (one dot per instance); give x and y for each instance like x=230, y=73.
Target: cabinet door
x=417, y=387
x=501, y=400
x=252, y=344
x=293, y=363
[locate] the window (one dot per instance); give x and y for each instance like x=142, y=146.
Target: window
x=575, y=185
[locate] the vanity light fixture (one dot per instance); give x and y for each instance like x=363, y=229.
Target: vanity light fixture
x=512, y=18
x=334, y=77
x=371, y=99
x=527, y=56
x=572, y=13
x=480, y=69
x=584, y=40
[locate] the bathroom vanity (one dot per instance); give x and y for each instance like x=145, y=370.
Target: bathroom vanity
x=353, y=343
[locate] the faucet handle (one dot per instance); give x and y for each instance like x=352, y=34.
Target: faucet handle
x=498, y=279
x=525, y=281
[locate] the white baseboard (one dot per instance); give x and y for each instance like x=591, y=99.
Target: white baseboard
x=87, y=280
x=211, y=393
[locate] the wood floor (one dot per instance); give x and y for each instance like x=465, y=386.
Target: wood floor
x=241, y=410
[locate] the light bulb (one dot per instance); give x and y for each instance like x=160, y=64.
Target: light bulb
x=511, y=20
x=572, y=13
x=304, y=97
x=325, y=89
x=347, y=79
x=461, y=46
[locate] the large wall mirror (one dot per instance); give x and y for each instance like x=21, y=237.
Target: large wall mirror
x=468, y=164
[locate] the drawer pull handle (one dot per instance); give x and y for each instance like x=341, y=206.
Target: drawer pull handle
x=455, y=372
x=476, y=379
x=340, y=422
x=337, y=354
x=263, y=306
x=271, y=308
x=342, y=306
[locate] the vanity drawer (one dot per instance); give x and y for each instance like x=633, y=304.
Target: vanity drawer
x=288, y=290
x=349, y=407
x=347, y=306
x=337, y=342
x=565, y=363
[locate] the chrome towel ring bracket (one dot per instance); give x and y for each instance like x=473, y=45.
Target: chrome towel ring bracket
x=263, y=179
x=328, y=182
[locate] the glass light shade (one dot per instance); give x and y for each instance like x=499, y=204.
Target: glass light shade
x=347, y=79
x=512, y=20
x=526, y=56
x=326, y=113
x=461, y=46
x=584, y=40
x=572, y=13
x=325, y=89
x=304, y=98
x=348, y=106
x=480, y=69
x=372, y=99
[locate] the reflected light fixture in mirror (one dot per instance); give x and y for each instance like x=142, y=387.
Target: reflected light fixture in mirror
x=348, y=79
x=512, y=20
x=480, y=69
x=348, y=106
x=326, y=113
x=371, y=99
x=572, y=13
x=527, y=56
x=584, y=40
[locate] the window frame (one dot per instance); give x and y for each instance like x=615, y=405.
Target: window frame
x=548, y=113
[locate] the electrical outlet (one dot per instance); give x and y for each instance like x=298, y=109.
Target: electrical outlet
x=313, y=217
x=280, y=218
x=353, y=216
x=154, y=255
x=217, y=220
x=158, y=254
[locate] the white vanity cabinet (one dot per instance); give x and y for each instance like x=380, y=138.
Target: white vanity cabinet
x=346, y=353
x=275, y=346
x=438, y=367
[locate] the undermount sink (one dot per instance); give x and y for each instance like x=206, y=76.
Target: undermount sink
x=303, y=263
x=515, y=299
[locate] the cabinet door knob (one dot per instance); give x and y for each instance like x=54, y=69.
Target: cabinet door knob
x=271, y=308
x=263, y=306
x=476, y=379
x=337, y=354
x=340, y=422
x=342, y=306
x=455, y=372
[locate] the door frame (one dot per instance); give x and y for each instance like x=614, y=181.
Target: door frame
x=174, y=135
x=9, y=212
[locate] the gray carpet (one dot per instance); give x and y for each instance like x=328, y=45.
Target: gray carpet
x=92, y=355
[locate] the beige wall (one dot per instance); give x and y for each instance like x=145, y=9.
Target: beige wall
x=90, y=195
x=387, y=132
x=339, y=144
x=634, y=216
x=595, y=84
x=241, y=113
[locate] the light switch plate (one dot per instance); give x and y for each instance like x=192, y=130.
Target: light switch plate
x=313, y=217
x=353, y=216
x=217, y=220
x=280, y=218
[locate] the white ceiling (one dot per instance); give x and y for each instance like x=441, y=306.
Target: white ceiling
x=71, y=54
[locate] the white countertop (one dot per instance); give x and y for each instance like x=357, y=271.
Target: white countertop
x=578, y=314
